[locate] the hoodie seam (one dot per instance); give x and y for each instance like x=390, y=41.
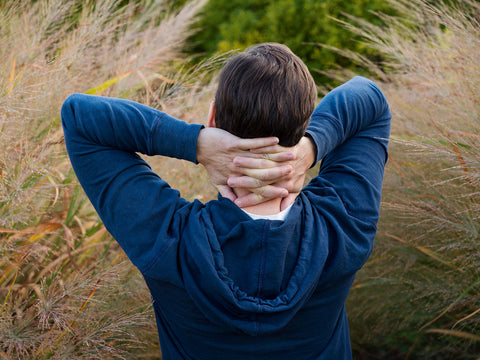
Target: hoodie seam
x=261, y=272
x=263, y=259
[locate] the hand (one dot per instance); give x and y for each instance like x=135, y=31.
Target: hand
x=216, y=149
x=258, y=174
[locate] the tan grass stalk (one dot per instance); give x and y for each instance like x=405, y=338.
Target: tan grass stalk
x=58, y=264
x=459, y=334
x=430, y=75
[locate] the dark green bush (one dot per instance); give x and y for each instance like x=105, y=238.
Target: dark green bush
x=300, y=24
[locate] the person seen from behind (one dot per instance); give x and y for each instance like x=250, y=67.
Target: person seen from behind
x=262, y=272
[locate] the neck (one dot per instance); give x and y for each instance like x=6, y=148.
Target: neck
x=270, y=207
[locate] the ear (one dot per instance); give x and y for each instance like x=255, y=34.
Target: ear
x=211, y=115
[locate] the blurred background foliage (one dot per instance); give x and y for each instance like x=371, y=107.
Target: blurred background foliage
x=303, y=25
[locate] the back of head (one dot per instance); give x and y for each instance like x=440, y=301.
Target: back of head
x=265, y=91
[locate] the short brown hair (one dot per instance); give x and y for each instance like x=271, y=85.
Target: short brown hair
x=265, y=91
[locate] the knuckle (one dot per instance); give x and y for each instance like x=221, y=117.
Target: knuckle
x=231, y=145
x=263, y=176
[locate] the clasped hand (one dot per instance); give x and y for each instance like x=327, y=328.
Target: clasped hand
x=266, y=169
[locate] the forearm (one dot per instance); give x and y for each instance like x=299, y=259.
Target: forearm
x=128, y=126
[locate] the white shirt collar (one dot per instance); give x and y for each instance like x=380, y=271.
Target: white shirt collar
x=280, y=216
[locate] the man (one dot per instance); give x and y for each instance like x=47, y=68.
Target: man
x=266, y=276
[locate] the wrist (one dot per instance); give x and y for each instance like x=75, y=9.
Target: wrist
x=201, y=146
x=309, y=149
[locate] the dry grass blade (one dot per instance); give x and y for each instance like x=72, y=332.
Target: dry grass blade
x=9, y=293
x=425, y=251
x=60, y=291
x=98, y=90
x=452, y=305
x=57, y=340
x=431, y=191
x=12, y=76
x=466, y=317
x=459, y=334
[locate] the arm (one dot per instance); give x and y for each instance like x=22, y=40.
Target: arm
x=351, y=128
x=102, y=136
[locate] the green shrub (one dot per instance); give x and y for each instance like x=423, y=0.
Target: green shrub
x=301, y=24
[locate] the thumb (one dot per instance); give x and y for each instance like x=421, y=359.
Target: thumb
x=227, y=192
x=287, y=201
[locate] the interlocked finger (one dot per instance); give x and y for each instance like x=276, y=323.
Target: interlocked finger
x=245, y=182
x=271, y=174
x=273, y=156
x=268, y=192
x=266, y=156
x=248, y=144
x=254, y=163
x=271, y=149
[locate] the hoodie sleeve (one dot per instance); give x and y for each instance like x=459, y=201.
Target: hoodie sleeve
x=351, y=129
x=102, y=136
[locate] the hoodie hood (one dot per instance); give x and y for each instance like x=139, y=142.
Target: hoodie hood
x=250, y=275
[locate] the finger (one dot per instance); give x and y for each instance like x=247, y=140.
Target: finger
x=282, y=156
x=226, y=192
x=248, y=144
x=293, y=185
x=288, y=200
x=253, y=162
x=271, y=174
x=249, y=200
x=245, y=182
x=277, y=157
x=271, y=149
x=268, y=193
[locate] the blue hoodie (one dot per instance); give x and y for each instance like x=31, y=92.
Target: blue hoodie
x=225, y=286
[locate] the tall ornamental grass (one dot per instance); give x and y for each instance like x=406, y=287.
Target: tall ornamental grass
x=418, y=297
x=66, y=289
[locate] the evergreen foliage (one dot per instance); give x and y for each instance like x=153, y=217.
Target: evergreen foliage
x=300, y=24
